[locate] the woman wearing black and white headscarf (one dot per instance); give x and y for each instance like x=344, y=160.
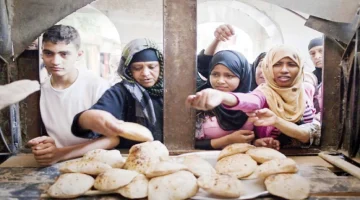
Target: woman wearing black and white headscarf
x=137, y=98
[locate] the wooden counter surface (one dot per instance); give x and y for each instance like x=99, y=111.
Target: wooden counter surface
x=22, y=178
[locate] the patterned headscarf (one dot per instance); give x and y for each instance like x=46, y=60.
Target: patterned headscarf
x=129, y=51
x=143, y=102
x=286, y=102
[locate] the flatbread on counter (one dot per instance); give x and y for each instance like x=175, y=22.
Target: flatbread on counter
x=84, y=166
x=238, y=165
x=263, y=154
x=221, y=185
x=288, y=186
x=136, y=189
x=113, y=179
x=110, y=157
x=176, y=186
x=142, y=156
x=198, y=166
x=275, y=166
x=164, y=168
x=71, y=185
x=235, y=149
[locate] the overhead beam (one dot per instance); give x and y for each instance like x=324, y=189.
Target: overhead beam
x=340, y=31
x=33, y=17
x=333, y=10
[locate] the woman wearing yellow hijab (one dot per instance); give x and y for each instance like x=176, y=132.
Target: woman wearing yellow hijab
x=274, y=106
x=283, y=72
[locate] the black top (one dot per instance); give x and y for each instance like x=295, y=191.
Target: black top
x=119, y=102
x=203, y=63
x=318, y=73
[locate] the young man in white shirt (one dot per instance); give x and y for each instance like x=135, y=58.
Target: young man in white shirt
x=65, y=93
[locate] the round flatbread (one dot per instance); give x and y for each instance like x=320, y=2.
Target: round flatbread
x=164, y=168
x=142, y=156
x=136, y=132
x=276, y=166
x=198, y=166
x=84, y=166
x=221, y=185
x=288, y=186
x=110, y=157
x=179, y=185
x=263, y=154
x=113, y=179
x=136, y=189
x=235, y=149
x=238, y=165
x=71, y=185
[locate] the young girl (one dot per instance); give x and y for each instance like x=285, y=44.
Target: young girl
x=228, y=71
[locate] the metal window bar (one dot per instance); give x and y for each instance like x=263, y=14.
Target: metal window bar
x=15, y=132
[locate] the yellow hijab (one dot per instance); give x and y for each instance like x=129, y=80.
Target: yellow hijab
x=286, y=102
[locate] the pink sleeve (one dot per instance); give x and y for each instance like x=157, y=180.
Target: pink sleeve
x=309, y=91
x=248, y=102
x=320, y=98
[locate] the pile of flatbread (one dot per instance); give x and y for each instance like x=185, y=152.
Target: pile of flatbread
x=147, y=172
x=245, y=161
x=150, y=172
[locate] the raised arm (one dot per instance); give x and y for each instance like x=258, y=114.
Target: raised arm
x=222, y=35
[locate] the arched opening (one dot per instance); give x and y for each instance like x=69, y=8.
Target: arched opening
x=265, y=23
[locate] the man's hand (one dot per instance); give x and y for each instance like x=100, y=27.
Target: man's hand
x=224, y=32
x=241, y=136
x=45, y=151
x=17, y=91
x=205, y=100
x=38, y=140
x=267, y=142
x=263, y=117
